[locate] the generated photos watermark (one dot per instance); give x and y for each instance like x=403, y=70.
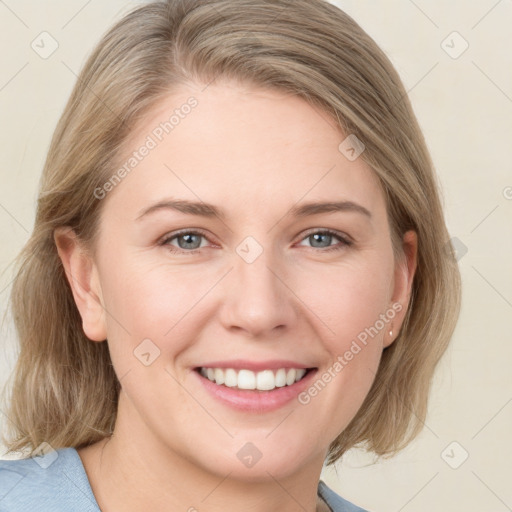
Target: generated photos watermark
x=151, y=142
x=357, y=345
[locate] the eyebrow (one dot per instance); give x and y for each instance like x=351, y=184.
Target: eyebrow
x=333, y=206
x=208, y=210
x=184, y=206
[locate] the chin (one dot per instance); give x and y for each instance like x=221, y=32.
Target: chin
x=257, y=462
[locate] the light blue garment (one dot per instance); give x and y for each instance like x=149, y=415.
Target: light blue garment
x=57, y=482
x=336, y=503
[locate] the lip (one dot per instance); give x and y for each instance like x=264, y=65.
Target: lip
x=250, y=400
x=256, y=366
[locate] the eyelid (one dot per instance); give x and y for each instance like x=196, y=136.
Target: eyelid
x=339, y=234
x=345, y=239
x=186, y=231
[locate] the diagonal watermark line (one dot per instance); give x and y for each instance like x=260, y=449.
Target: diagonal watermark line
x=14, y=76
x=285, y=490
x=76, y=14
x=422, y=78
x=208, y=84
x=510, y=400
x=194, y=305
x=406, y=93
x=3, y=272
x=200, y=404
x=13, y=217
x=405, y=504
x=492, y=211
x=216, y=487
x=493, y=287
x=405, y=405
x=424, y=14
x=492, y=81
x=306, y=193
x=7, y=286
x=165, y=165
x=12, y=488
x=508, y=507
x=416, y=84
x=100, y=304
x=80, y=489
x=13, y=13
x=300, y=299
x=280, y=423
x=8, y=265
x=16, y=426
x=486, y=14
x=97, y=97
x=124, y=375
x=283, y=8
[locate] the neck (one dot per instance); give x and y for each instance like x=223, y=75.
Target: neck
x=134, y=472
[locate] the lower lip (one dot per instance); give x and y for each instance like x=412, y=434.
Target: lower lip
x=255, y=400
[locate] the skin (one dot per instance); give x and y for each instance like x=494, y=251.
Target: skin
x=255, y=153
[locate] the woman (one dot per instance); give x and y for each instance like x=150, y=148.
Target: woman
x=239, y=267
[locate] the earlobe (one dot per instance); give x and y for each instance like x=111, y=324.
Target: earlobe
x=82, y=275
x=404, y=277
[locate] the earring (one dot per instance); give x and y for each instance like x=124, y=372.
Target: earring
x=391, y=333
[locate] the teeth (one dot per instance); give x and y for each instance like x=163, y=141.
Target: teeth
x=280, y=379
x=219, y=376
x=230, y=378
x=246, y=379
x=265, y=380
x=290, y=377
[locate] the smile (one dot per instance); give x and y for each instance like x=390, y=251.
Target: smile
x=265, y=380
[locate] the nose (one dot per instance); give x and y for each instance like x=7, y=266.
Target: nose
x=257, y=299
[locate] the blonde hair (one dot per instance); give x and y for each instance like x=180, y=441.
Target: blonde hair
x=64, y=388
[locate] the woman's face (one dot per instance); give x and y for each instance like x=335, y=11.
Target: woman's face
x=210, y=257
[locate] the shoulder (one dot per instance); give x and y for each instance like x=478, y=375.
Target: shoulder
x=53, y=482
x=336, y=502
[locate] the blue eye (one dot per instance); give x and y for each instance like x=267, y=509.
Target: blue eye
x=324, y=238
x=189, y=242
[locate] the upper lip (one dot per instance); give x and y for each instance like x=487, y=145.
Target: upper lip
x=239, y=364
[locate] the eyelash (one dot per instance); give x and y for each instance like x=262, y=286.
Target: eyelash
x=345, y=242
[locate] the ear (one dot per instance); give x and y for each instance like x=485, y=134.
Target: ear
x=82, y=275
x=403, y=279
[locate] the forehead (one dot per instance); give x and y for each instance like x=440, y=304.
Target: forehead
x=244, y=145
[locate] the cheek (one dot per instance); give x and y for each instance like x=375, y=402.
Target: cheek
x=350, y=300
x=149, y=301
x=355, y=308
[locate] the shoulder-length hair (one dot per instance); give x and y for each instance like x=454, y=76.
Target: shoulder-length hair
x=64, y=388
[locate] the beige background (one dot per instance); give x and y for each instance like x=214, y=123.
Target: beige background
x=464, y=106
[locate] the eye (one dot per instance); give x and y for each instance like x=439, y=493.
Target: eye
x=187, y=241
x=322, y=238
